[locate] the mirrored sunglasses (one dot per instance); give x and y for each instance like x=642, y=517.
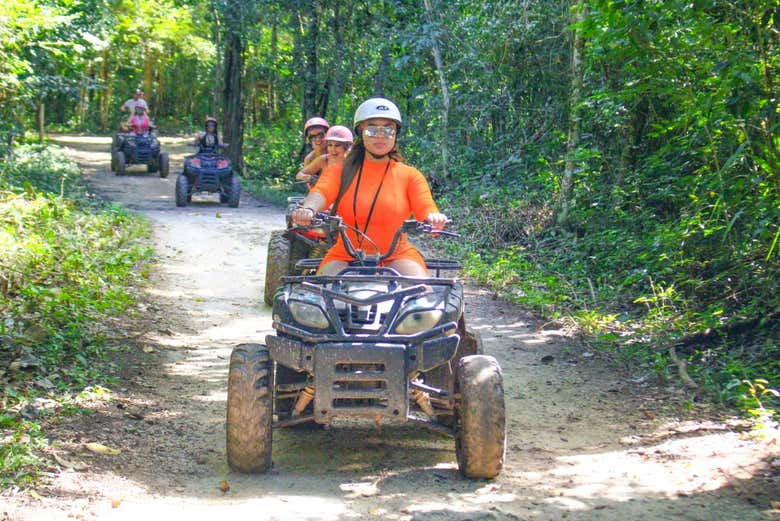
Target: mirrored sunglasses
x=375, y=130
x=316, y=136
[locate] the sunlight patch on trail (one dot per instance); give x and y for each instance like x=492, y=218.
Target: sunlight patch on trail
x=690, y=465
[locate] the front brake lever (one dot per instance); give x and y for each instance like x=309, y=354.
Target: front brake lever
x=425, y=227
x=445, y=233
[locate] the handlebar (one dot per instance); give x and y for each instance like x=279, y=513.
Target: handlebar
x=335, y=223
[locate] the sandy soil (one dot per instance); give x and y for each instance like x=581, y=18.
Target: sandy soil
x=585, y=440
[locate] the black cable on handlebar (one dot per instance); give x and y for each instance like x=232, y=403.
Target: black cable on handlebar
x=359, y=255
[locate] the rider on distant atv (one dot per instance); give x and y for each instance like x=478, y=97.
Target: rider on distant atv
x=139, y=123
x=129, y=105
x=209, y=141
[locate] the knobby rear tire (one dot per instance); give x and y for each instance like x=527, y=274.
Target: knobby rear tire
x=480, y=414
x=234, y=194
x=182, y=190
x=164, y=165
x=276, y=264
x=250, y=409
x=121, y=163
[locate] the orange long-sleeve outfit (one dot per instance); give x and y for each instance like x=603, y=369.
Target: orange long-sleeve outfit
x=403, y=192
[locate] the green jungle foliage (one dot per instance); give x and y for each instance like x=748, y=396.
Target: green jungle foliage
x=66, y=264
x=611, y=163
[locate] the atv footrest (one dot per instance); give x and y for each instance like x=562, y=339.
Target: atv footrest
x=360, y=380
x=308, y=264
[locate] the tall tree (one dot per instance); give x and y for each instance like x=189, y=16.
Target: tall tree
x=575, y=98
x=310, y=15
x=445, y=93
x=237, y=21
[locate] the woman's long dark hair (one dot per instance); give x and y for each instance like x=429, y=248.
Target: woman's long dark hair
x=352, y=164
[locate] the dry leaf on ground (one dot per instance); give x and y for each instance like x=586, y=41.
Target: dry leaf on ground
x=99, y=448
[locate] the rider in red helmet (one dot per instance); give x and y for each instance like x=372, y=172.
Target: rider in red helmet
x=338, y=141
x=314, y=131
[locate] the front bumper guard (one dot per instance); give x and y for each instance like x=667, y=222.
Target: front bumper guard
x=354, y=379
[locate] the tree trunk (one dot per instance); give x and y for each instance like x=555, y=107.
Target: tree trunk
x=311, y=41
x=105, y=97
x=84, y=91
x=232, y=105
x=41, y=120
x=573, y=137
x=219, y=69
x=338, y=34
x=272, y=97
x=381, y=73
x=445, y=93
x=148, y=76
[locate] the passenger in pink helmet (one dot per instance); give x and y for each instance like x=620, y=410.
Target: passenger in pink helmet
x=314, y=131
x=338, y=141
x=139, y=122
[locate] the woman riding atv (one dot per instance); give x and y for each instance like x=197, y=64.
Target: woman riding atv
x=139, y=123
x=374, y=191
x=338, y=140
x=209, y=141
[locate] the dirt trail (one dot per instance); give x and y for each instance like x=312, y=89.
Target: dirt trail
x=585, y=442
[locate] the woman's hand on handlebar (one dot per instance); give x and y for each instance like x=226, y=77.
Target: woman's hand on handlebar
x=303, y=216
x=437, y=220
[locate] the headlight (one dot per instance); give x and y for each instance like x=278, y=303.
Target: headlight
x=419, y=314
x=309, y=315
x=419, y=321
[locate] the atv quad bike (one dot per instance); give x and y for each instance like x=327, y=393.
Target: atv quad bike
x=208, y=172
x=138, y=149
x=287, y=247
x=368, y=343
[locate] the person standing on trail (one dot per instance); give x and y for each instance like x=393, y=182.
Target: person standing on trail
x=374, y=191
x=338, y=141
x=314, y=132
x=208, y=140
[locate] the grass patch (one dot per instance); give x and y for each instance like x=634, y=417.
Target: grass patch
x=67, y=263
x=633, y=289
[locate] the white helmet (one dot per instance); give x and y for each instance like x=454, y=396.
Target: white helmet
x=376, y=108
x=141, y=104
